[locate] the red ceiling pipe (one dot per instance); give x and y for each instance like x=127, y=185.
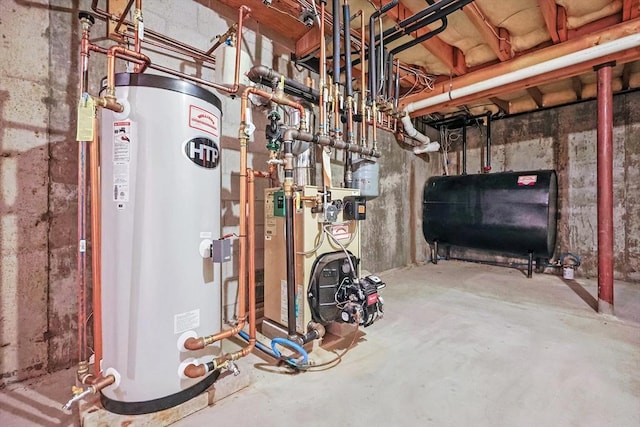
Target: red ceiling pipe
x=605, y=189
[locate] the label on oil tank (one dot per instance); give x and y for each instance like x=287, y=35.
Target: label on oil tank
x=122, y=140
x=524, y=180
x=185, y=321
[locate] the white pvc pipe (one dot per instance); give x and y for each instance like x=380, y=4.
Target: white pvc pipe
x=412, y=131
x=578, y=57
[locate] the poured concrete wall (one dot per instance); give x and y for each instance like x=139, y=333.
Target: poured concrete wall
x=24, y=188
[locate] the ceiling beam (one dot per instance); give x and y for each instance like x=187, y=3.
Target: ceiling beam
x=577, y=87
x=591, y=27
x=497, y=38
x=504, y=106
x=626, y=76
x=449, y=55
x=630, y=9
x=535, y=93
x=562, y=24
x=549, y=10
x=542, y=55
x=555, y=18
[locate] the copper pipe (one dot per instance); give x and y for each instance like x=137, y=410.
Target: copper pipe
x=176, y=45
x=123, y=15
x=96, y=256
x=605, y=189
x=232, y=30
x=195, y=56
x=236, y=77
x=243, y=137
x=138, y=20
x=81, y=279
x=195, y=371
x=109, y=100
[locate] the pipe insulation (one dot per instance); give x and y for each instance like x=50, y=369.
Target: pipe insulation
x=598, y=51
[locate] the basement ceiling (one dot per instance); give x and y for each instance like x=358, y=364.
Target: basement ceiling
x=483, y=40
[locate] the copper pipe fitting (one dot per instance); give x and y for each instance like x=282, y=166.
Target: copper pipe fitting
x=195, y=371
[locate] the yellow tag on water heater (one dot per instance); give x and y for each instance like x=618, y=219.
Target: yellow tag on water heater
x=86, y=116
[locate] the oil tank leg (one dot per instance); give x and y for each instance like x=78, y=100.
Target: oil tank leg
x=530, y=266
x=434, y=257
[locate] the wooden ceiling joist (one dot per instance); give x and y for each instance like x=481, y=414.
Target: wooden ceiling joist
x=535, y=93
x=504, y=106
x=497, y=38
x=626, y=76
x=449, y=55
x=555, y=18
x=577, y=87
x=630, y=9
x=542, y=55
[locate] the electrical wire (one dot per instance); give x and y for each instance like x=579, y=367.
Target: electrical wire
x=337, y=242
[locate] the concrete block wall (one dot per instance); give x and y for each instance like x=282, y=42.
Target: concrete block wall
x=565, y=139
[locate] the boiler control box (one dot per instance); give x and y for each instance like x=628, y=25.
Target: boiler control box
x=355, y=208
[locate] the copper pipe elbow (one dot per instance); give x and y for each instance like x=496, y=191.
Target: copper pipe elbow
x=195, y=371
x=194, y=344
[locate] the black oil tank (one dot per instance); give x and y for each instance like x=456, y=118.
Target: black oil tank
x=510, y=212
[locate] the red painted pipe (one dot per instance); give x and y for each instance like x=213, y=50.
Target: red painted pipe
x=605, y=190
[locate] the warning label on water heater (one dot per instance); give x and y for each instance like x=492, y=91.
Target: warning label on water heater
x=184, y=321
x=122, y=140
x=203, y=120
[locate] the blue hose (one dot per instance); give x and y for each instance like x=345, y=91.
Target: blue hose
x=259, y=345
x=292, y=345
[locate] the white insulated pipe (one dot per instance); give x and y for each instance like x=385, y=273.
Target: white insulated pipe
x=578, y=57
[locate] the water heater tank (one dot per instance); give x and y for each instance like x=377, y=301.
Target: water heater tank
x=510, y=212
x=160, y=177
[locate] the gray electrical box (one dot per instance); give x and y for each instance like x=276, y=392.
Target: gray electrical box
x=221, y=250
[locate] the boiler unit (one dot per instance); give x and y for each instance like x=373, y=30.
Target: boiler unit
x=160, y=176
x=327, y=244
x=509, y=212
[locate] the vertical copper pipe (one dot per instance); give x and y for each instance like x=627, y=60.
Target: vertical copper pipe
x=251, y=249
x=236, y=78
x=96, y=248
x=605, y=190
x=201, y=342
x=137, y=40
x=81, y=279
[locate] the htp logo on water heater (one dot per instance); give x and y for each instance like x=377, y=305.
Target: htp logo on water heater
x=203, y=152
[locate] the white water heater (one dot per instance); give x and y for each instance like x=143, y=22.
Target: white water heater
x=160, y=175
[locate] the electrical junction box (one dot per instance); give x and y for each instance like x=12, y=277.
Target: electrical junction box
x=221, y=250
x=278, y=203
x=355, y=208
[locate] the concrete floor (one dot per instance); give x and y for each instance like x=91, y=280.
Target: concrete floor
x=461, y=344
